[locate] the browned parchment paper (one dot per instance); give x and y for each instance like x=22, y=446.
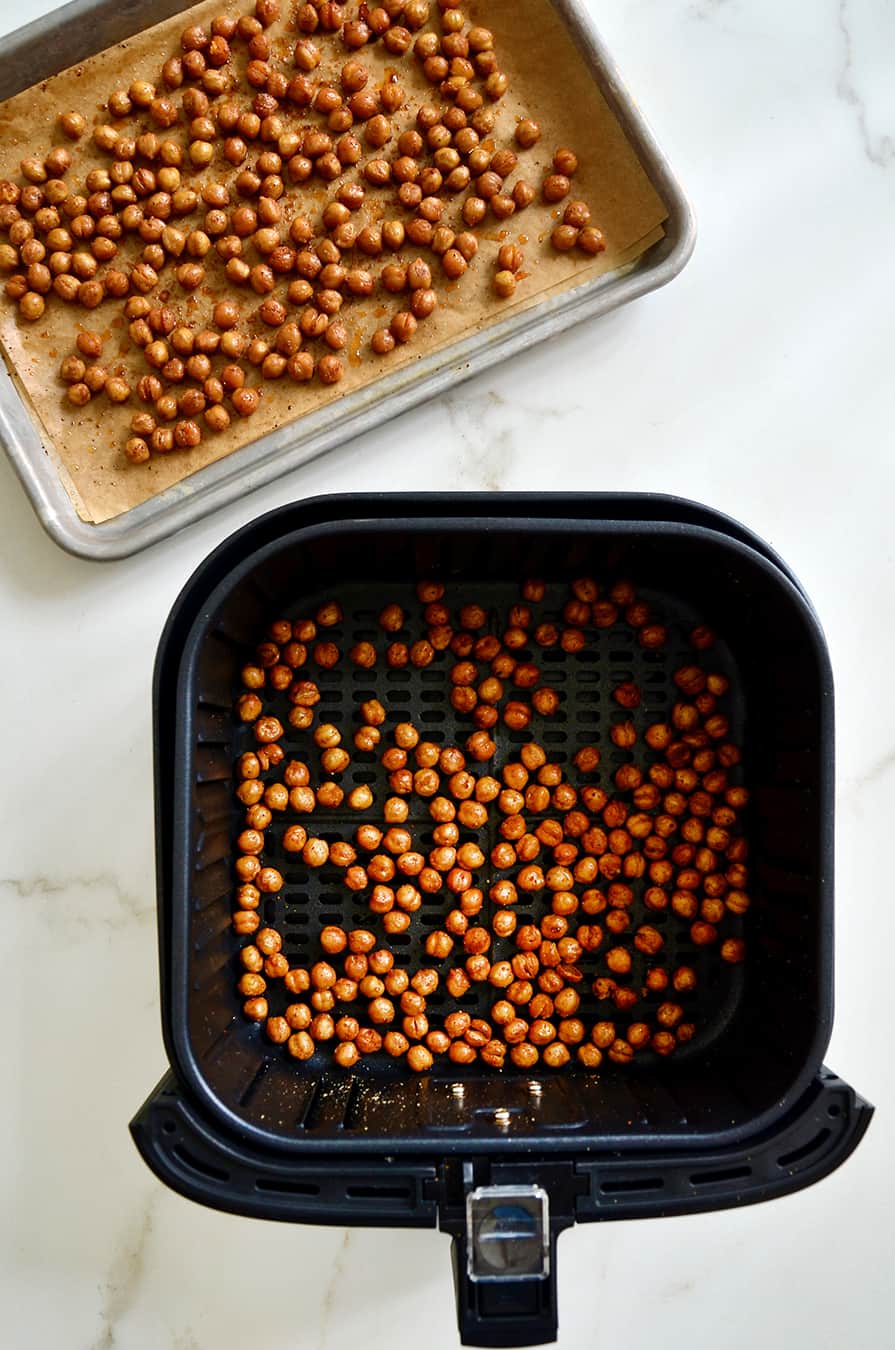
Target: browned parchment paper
x=548, y=80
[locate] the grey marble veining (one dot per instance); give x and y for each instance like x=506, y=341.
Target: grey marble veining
x=862, y=44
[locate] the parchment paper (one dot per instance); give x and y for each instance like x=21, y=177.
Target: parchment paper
x=548, y=81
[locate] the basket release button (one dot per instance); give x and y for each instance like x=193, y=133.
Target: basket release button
x=507, y=1230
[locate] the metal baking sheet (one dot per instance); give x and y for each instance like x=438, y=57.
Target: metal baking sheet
x=84, y=27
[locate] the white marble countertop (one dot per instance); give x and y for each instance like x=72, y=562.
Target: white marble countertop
x=759, y=382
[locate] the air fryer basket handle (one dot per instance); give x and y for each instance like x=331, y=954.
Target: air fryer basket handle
x=504, y=1222
x=501, y=1301
x=504, y=1312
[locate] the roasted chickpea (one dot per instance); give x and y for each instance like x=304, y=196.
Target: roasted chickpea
x=255, y=1009
x=504, y=284
x=703, y=934
x=555, y=187
x=419, y=1059
x=300, y=1044
x=564, y=238
x=276, y=966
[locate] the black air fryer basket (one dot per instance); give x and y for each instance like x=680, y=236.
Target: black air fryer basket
x=501, y=1161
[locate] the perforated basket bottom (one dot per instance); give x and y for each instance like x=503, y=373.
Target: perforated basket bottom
x=311, y=899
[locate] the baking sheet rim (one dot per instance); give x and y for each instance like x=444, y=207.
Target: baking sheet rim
x=298, y=442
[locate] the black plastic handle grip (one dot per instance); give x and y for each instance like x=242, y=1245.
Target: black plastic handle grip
x=504, y=1312
x=188, y=1152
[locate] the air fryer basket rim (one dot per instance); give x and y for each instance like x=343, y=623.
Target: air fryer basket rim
x=648, y=507
x=498, y=513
